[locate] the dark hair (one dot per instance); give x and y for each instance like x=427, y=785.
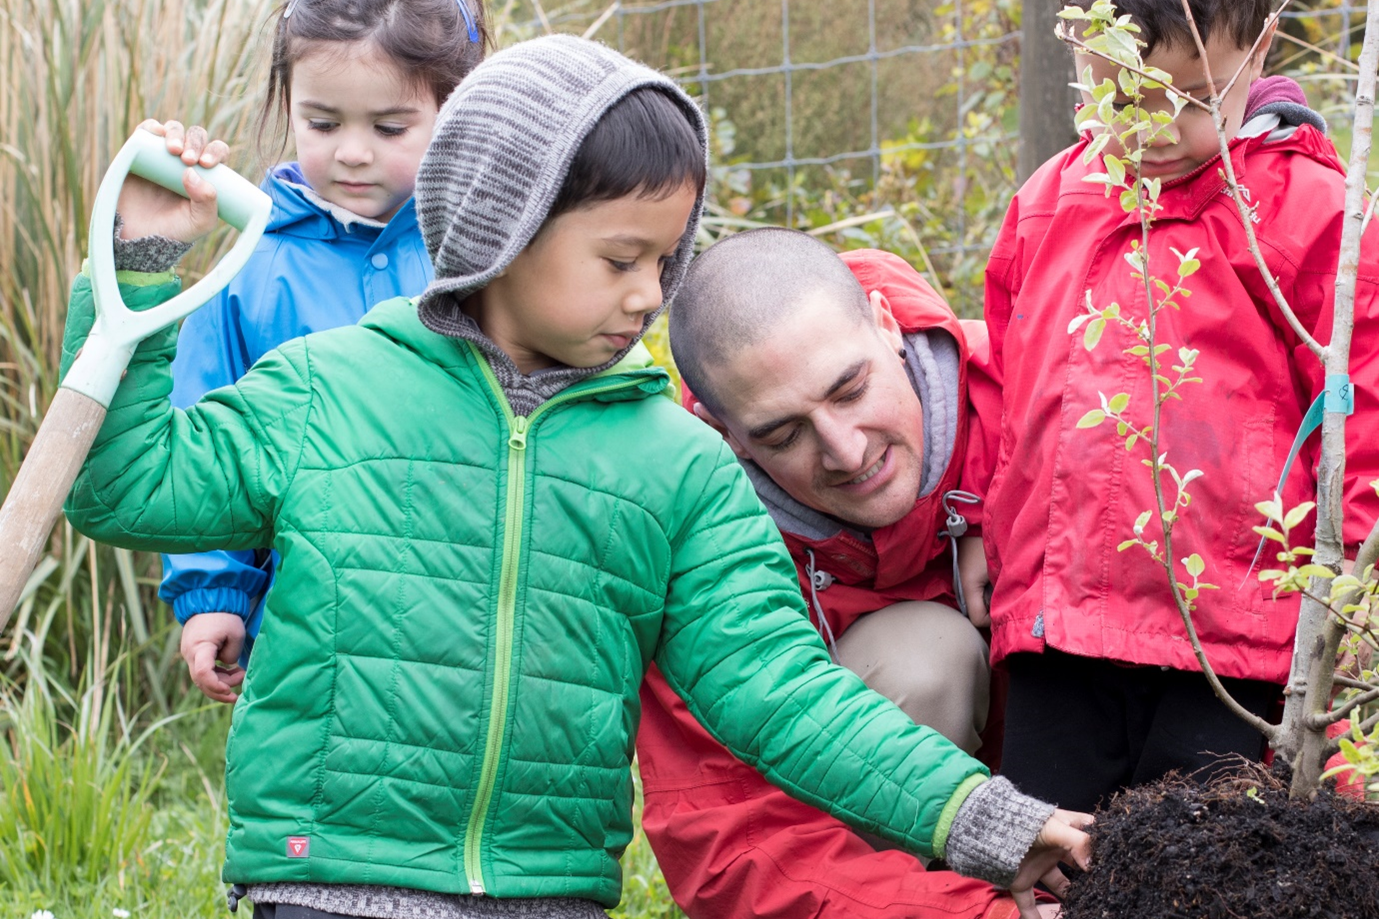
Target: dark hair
x=644, y=144
x=1163, y=21
x=431, y=41
x=743, y=288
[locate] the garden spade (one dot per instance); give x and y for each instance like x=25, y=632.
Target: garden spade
x=72, y=421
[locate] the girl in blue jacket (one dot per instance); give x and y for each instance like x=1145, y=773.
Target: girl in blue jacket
x=358, y=86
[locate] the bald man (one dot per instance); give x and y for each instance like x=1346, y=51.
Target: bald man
x=840, y=383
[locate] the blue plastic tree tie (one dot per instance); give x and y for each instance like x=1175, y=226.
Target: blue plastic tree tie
x=1339, y=396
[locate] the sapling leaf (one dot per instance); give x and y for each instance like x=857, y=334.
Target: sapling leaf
x=1271, y=533
x=1297, y=514
x=1092, y=337
x=1119, y=403
x=1131, y=441
x=1194, y=565
x=1077, y=322
x=1115, y=169
x=1316, y=571
x=1272, y=509
x=1141, y=521
x=1191, y=475
x=1121, y=428
x=1126, y=545
x=1093, y=418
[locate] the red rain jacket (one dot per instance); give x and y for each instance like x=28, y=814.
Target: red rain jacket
x=733, y=846
x=1060, y=499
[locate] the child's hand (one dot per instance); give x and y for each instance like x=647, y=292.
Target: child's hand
x=975, y=579
x=211, y=643
x=1061, y=840
x=151, y=210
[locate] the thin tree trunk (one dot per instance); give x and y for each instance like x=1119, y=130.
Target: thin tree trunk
x=1314, y=650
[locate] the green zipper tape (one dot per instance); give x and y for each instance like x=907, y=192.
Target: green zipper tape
x=519, y=429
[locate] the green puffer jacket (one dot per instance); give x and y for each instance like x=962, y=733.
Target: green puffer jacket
x=444, y=693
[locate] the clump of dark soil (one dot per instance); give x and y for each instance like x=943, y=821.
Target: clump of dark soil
x=1235, y=849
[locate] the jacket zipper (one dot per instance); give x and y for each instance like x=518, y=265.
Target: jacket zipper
x=519, y=427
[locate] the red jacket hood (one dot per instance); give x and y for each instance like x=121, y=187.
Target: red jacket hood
x=905, y=560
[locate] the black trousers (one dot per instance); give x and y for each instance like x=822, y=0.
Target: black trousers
x=1079, y=729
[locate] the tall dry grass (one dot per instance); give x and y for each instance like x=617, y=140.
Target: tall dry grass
x=77, y=77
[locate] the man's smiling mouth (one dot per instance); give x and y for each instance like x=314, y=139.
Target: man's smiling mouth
x=881, y=461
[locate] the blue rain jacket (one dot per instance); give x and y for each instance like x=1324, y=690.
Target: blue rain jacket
x=314, y=269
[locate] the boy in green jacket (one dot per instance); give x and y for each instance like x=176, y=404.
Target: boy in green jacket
x=490, y=522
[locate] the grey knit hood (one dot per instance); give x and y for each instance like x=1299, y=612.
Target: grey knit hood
x=503, y=144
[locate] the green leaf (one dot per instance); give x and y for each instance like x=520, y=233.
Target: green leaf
x=1316, y=571
x=1077, y=322
x=1115, y=169
x=1093, y=418
x=1120, y=402
x=1188, y=268
x=1271, y=533
x=1194, y=565
x=1126, y=545
x=1092, y=336
x=1131, y=441
x=1142, y=521
x=1297, y=515
x=1271, y=509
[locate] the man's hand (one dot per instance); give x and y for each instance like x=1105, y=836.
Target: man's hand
x=151, y=210
x=1061, y=840
x=973, y=576
x=211, y=643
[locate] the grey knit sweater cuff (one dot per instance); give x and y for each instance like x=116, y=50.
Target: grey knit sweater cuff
x=147, y=253
x=993, y=830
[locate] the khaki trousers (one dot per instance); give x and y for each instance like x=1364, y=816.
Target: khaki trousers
x=928, y=659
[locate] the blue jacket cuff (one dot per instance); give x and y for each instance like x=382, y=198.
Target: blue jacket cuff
x=212, y=600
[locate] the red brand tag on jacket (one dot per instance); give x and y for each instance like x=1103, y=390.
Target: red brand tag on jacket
x=298, y=846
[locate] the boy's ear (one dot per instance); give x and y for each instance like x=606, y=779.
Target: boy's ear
x=708, y=418
x=885, y=320
x=1262, y=52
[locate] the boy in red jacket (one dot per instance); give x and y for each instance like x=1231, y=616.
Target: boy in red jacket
x=1104, y=688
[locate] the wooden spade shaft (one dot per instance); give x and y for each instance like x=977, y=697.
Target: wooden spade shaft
x=35, y=499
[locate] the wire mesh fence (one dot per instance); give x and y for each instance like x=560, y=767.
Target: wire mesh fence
x=881, y=122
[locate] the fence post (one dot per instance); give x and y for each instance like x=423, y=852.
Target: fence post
x=1046, y=100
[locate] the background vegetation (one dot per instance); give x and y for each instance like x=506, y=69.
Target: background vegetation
x=111, y=767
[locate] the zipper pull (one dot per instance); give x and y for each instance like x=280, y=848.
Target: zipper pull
x=517, y=440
